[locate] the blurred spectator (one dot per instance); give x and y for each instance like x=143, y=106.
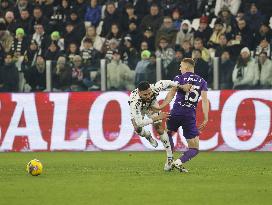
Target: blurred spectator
x=167, y=31
x=264, y=46
x=5, y=38
x=78, y=23
x=130, y=54
x=254, y=18
x=115, y=33
x=151, y=69
x=47, y=7
x=165, y=52
x=38, y=18
x=205, y=54
x=218, y=29
x=113, y=45
x=185, y=33
x=96, y=39
x=19, y=44
x=72, y=51
x=246, y=73
x=177, y=18
x=204, y=30
x=53, y=52
x=20, y=6
x=235, y=45
x=233, y=6
x=228, y=19
x=112, y=16
x=222, y=45
x=81, y=79
x=41, y=37
x=153, y=20
x=265, y=66
x=264, y=32
x=36, y=75
x=144, y=46
x=62, y=76
x=226, y=66
x=187, y=49
x=129, y=16
x=246, y=34
x=55, y=36
x=188, y=8
x=31, y=54
x=10, y=22
x=9, y=76
x=119, y=75
x=59, y=16
x=24, y=22
x=89, y=55
x=93, y=13
x=134, y=33
x=201, y=66
x=5, y=6
x=149, y=37
x=172, y=69
x=80, y=6
x=168, y=6
x=71, y=36
x=141, y=8
x=265, y=7
x=141, y=71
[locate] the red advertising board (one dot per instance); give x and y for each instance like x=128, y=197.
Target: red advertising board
x=94, y=121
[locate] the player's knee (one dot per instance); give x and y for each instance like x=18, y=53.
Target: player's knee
x=138, y=130
x=160, y=131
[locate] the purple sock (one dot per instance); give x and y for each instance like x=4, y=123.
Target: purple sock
x=169, y=133
x=188, y=155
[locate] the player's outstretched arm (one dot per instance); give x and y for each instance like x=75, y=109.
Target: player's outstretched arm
x=205, y=108
x=169, y=97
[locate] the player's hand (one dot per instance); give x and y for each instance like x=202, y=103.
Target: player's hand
x=163, y=115
x=203, y=125
x=186, y=87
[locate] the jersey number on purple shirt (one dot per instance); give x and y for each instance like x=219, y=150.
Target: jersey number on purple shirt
x=193, y=98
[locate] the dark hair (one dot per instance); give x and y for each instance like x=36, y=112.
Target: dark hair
x=88, y=40
x=143, y=85
x=189, y=60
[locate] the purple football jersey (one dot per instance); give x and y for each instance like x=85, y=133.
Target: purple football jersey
x=186, y=103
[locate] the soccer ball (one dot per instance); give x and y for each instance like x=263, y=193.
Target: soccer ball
x=34, y=167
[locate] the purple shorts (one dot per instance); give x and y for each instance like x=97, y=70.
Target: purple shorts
x=188, y=124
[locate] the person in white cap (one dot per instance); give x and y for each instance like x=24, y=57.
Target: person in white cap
x=246, y=73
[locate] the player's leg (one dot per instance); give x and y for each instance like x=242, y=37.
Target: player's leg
x=193, y=150
x=144, y=133
x=191, y=133
x=166, y=143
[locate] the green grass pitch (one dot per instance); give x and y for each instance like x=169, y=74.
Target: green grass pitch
x=136, y=178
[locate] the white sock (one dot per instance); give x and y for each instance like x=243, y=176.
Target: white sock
x=165, y=141
x=145, y=133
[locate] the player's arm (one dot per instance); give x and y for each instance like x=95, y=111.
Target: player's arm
x=171, y=94
x=205, y=108
x=169, y=97
x=140, y=121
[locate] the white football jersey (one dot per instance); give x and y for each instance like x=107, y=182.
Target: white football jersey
x=138, y=108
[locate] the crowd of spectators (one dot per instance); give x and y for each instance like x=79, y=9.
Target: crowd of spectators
x=74, y=35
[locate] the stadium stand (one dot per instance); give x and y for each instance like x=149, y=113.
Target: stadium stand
x=72, y=37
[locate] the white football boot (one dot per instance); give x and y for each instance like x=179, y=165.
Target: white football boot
x=178, y=165
x=168, y=165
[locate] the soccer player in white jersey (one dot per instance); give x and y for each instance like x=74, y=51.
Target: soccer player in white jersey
x=141, y=101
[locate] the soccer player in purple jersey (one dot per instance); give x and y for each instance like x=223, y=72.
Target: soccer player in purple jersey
x=183, y=112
